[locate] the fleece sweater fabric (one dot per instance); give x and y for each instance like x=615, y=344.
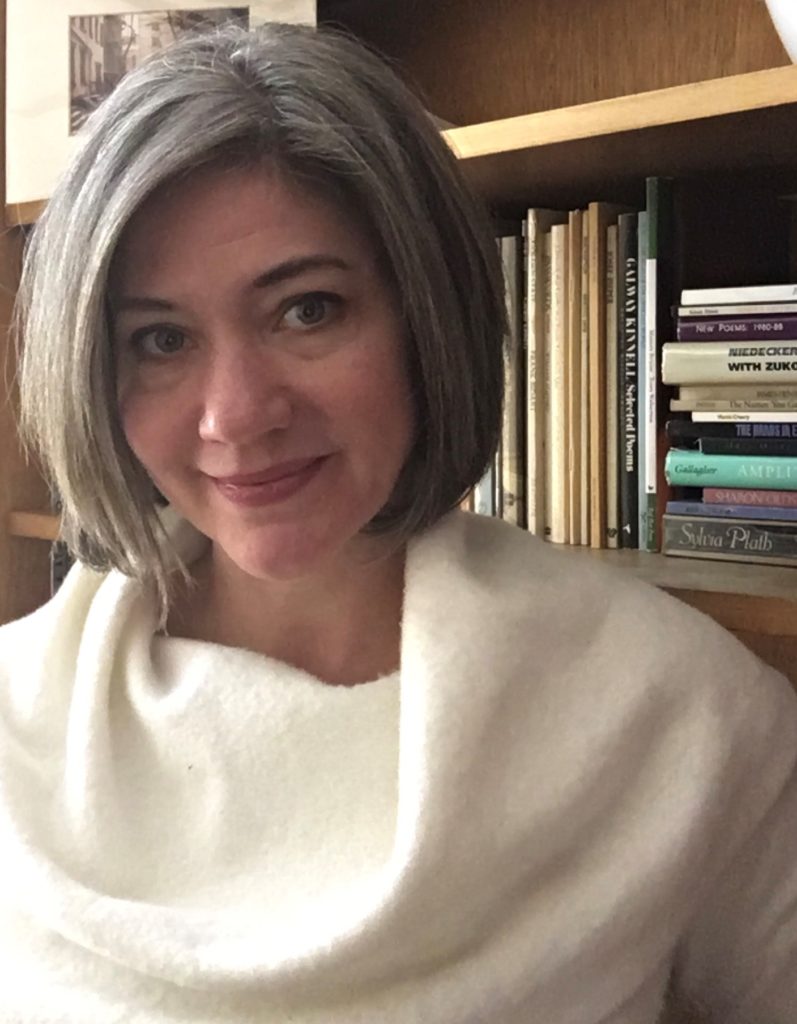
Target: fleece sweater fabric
x=575, y=803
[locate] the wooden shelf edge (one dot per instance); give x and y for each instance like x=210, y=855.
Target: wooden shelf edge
x=19, y=215
x=694, y=101
x=34, y=525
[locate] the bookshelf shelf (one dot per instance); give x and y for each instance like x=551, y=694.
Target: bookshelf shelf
x=737, y=122
x=33, y=525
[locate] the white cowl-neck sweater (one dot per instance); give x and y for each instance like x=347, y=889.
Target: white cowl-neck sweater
x=575, y=796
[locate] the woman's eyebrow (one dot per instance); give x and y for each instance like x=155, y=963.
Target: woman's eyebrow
x=299, y=265
x=275, y=275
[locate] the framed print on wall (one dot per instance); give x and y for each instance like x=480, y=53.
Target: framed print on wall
x=64, y=56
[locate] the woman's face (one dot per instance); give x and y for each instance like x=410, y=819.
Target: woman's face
x=261, y=371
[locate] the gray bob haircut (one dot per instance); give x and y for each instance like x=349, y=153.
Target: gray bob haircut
x=325, y=112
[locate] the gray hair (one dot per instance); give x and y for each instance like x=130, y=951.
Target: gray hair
x=327, y=112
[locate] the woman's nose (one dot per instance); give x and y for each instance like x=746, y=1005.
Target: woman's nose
x=244, y=397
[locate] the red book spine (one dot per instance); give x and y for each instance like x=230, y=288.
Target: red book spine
x=738, y=496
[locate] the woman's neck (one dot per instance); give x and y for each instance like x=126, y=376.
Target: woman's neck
x=342, y=625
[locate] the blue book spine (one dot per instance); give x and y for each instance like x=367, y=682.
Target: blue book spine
x=641, y=407
x=689, y=468
x=700, y=508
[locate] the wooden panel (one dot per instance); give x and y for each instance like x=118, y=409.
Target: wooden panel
x=778, y=651
x=474, y=61
x=24, y=572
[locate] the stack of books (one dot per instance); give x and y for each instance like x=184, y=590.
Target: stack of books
x=588, y=294
x=734, y=364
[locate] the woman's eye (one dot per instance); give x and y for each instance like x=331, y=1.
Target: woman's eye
x=158, y=341
x=311, y=310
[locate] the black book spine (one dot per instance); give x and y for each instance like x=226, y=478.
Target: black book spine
x=748, y=446
x=628, y=378
x=686, y=433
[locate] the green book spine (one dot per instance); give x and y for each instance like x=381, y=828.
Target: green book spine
x=760, y=472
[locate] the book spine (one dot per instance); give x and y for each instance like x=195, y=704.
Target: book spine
x=744, y=417
x=749, y=310
x=558, y=435
x=688, y=468
x=689, y=431
x=484, y=493
x=739, y=540
x=627, y=374
x=586, y=398
x=759, y=391
x=538, y=221
x=512, y=475
x=642, y=273
x=718, y=362
x=739, y=496
x=597, y=374
x=612, y=392
x=728, y=296
x=699, y=508
x=575, y=231
x=741, y=328
x=732, y=405
x=747, y=446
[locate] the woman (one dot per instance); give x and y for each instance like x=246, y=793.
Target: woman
x=308, y=745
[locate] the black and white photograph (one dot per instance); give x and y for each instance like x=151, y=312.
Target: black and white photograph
x=82, y=49
x=104, y=47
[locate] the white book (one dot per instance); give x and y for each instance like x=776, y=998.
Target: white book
x=747, y=293
x=538, y=221
x=744, y=417
x=720, y=362
x=752, y=309
x=558, y=441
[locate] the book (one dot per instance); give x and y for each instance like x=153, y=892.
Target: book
x=749, y=309
x=689, y=468
x=736, y=540
x=740, y=496
x=557, y=441
x=685, y=432
x=513, y=427
x=538, y=221
x=747, y=446
x=782, y=392
x=575, y=234
x=599, y=216
x=741, y=328
x=612, y=391
x=484, y=493
x=659, y=284
x=746, y=293
x=584, y=388
x=701, y=508
x=716, y=362
x=627, y=379
x=732, y=404
x=642, y=274
x=744, y=417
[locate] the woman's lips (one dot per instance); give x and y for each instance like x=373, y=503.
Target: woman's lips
x=264, y=487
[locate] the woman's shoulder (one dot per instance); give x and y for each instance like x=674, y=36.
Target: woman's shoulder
x=583, y=630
